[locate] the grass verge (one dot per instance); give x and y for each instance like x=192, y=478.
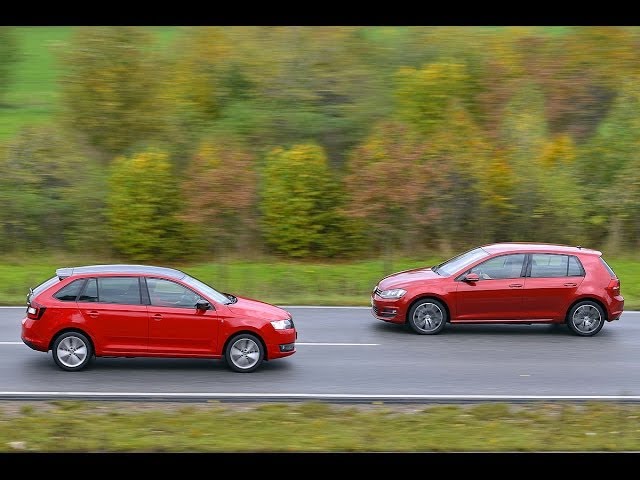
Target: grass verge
x=317, y=427
x=275, y=281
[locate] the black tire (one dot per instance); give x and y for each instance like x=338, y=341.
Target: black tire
x=72, y=351
x=586, y=318
x=427, y=317
x=244, y=353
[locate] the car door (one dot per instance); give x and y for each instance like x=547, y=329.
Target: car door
x=176, y=326
x=114, y=314
x=497, y=295
x=552, y=282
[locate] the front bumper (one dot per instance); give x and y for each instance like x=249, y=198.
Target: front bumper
x=387, y=310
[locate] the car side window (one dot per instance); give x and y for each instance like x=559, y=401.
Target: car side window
x=90, y=292
x=165, y=293
x=120, y=290
x=70, y=292
x=550, y=265
x=575, y=267
x=504, y=266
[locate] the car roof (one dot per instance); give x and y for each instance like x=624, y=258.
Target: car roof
x=65, y=272
x=537, y=247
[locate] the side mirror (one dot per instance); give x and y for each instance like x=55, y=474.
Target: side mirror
x=203, y=305
x=471, y=277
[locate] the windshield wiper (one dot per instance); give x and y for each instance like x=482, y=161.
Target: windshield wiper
x=231, y=298
x=434, y=269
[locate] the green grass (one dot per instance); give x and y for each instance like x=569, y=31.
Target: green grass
x=33, y=94
x=317, y=427
x=275, y=281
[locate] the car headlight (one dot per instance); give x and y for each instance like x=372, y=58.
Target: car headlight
x=282, y=324
x=393, y=293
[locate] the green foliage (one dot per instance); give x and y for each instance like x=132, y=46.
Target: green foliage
x=425, y=95
x=491, y=111
x=9, y=55
x=558, y=184
x=143, y=204
x=110, y=87
x=299, y=203
x=50, y=191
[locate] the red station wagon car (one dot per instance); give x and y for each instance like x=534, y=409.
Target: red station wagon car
x=148, y=311
x=504, y=283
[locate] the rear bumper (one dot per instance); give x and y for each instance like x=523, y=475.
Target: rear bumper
x=615, y=308
x=35, y=345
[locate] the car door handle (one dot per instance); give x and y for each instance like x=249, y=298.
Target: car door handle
x=157, y=316
x=94, y=314
x=515, y=285
x=570, y=284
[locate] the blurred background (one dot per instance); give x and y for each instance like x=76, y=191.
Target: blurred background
x=299, y=164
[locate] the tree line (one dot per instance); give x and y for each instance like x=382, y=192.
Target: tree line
x=328, y=142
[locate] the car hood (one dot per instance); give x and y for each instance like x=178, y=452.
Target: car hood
x=255, y=308
x=400, y=279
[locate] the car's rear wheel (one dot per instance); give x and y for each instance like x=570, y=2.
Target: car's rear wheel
x=72, y=351
x=427, y=317
x=244, y=353
x=586, y=318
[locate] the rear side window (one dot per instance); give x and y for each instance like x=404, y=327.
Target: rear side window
x=70, y=292
x=549, y=265
x=575, y=267
x=609, y=269
x=90, y=293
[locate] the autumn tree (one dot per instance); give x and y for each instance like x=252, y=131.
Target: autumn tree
x=143, y=208
x=522, y=137
x=300, y=203
x=392, y=185
x=220, y=192
x=603, y=159
x=425, y=95
x=110, y=87
x=563, y=200
x=51, y=192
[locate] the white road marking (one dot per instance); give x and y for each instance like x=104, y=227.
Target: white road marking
x=340, y=344
x=11, y=343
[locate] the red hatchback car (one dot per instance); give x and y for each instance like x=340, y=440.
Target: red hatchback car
x=148, y=311
x=504, y=283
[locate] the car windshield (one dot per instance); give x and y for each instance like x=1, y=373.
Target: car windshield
x=454, y=264
x=207, y=290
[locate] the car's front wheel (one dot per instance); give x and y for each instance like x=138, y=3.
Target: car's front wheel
x=72, y=351
x=427, y=316
x=586, y=318
x=244, y=353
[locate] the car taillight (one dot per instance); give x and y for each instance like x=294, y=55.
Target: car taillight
x=35, y=311
x=614, y=286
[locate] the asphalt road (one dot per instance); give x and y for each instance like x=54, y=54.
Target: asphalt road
x=345, y=355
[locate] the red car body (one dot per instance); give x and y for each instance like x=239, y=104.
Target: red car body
x=535, y=283
x=139, y=326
